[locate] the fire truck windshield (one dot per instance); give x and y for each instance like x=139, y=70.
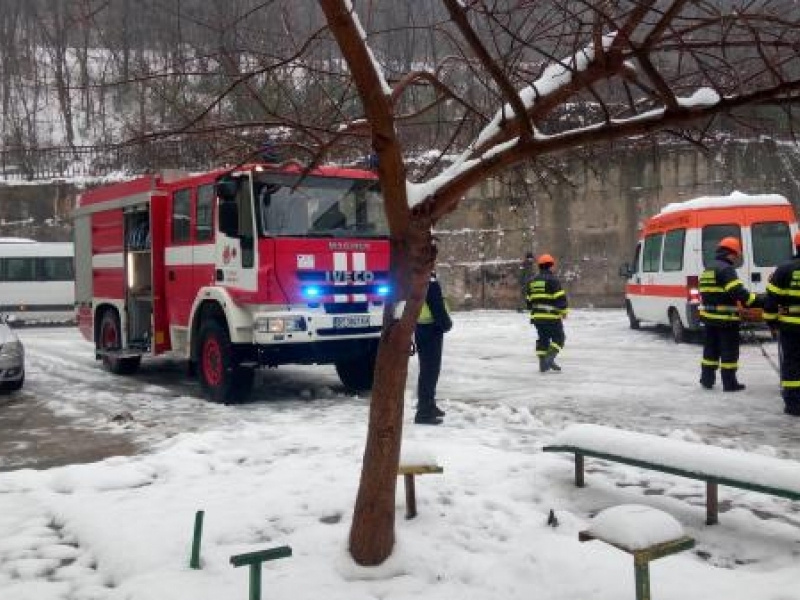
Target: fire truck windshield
x=319, y=207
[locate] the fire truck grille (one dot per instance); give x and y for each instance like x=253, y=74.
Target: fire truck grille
x=338, y=308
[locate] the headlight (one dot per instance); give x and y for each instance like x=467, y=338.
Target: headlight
x=280, y=324
x=12, y=350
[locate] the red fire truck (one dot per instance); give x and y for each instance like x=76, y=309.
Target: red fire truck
x=235, y=269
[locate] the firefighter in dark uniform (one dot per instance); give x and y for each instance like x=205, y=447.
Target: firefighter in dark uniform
x=782, y=312
x=722, y=295
x=547, y=303
x=433, y=322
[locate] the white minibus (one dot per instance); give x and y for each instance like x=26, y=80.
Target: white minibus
x=37, y=281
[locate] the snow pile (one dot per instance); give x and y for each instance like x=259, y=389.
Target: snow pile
x=635, y=527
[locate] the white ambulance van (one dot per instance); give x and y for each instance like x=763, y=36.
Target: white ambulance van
x=678, y=243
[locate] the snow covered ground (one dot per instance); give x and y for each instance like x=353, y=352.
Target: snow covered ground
x=283, y=469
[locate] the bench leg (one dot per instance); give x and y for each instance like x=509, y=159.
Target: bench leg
x=641, y=570
x=712, y=503
x=255, y=581
x=579, y=470
x=411, y=497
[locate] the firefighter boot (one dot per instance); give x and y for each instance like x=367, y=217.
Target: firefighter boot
x=791, y=400
x=551, y=359
x=543, y=364
x=708, y=376
x=792, y=407
x=729, y=382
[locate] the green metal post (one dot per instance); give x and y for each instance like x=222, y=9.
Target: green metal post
x=194, y=562
x=255, y=581
x=642, y=571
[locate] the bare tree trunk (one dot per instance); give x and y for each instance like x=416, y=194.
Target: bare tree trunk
x=372, y=530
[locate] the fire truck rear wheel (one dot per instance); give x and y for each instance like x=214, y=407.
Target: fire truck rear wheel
x=220, y=377
x=357, y=374
x=110, y=338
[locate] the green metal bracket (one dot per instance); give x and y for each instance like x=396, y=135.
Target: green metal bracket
x=254, y=560
x=194, y=561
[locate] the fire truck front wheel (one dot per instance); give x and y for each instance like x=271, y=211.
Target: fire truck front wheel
x=221, y=378
x=357, y=374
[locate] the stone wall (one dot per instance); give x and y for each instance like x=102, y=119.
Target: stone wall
x=588, y=218
x=39, y=211
x=590, y=221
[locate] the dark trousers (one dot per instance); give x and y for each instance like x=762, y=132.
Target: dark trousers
x=551, y=337
x=429, y=340
x=721, y=351
x=790, y=366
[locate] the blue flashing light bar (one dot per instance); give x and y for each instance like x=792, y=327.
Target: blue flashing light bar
x=383, y=290
x=311, y=291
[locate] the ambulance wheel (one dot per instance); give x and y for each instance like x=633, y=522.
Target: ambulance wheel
x=676, y=327
x=220, y=377
x=110, y=338
x=357, y=374
x=632, y=320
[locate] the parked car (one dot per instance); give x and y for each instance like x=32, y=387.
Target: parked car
x=12, y=359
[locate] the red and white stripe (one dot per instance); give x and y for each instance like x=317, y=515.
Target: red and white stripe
x=357, y=261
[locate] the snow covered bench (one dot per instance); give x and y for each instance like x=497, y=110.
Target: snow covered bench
x=716, y=466
x=415, y=462
x=645, y=532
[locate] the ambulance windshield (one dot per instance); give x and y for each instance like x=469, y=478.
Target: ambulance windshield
x=319, y=207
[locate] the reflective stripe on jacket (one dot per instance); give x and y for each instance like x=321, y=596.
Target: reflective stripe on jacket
x=435, y=310
x=721, y=292
x=547, y=301
x=782, y=304
x=426, y=316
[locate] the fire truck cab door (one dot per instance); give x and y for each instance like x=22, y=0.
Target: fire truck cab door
x=236, y=257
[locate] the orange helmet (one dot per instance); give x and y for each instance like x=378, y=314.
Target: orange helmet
x=731, y=244
x=545, y=259
x=797, y=239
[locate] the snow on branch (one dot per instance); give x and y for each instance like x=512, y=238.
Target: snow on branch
x=553, y=78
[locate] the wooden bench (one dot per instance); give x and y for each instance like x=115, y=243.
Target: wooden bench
x=408, y=471
x=716, y=466
x=644, y=532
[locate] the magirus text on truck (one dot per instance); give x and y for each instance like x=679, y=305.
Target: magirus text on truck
x=259, y=266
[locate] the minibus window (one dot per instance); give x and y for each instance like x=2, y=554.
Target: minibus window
x=651, y=259
x=673, y=250
x=55, y=268
x=772, y=243
x=712, y=235
x=18, y=269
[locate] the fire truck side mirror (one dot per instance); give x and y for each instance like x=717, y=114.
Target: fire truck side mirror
x=227, y=188
x=229, y=218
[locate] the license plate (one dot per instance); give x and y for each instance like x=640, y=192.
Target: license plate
x=350, y=321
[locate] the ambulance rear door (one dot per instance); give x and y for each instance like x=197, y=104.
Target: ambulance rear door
x=768, y=243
